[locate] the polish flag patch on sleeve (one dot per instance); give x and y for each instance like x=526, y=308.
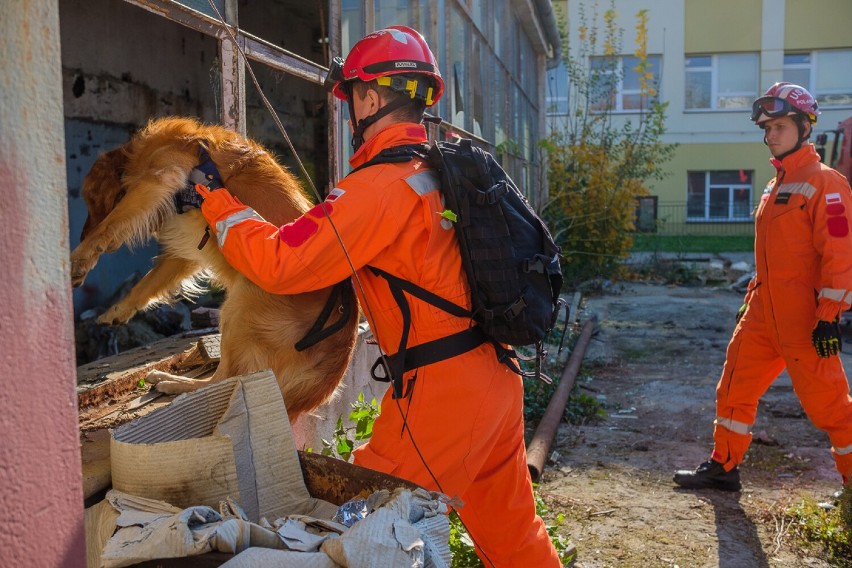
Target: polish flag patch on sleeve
x=334, y=194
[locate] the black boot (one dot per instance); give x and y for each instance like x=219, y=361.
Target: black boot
x=709, y=475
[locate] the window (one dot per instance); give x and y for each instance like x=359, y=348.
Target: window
x=557, y=90
x=620, y=84
x=721, y=82
x=719, y=196
x=824, y=73
x=459, y=69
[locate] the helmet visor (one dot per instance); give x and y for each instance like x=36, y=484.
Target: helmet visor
x=771, y=107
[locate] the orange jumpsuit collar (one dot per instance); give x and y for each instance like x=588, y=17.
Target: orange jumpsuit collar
x=801, y=157
x=393, y=135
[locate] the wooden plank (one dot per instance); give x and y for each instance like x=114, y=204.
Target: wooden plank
x=94, y=451
x=113, y=377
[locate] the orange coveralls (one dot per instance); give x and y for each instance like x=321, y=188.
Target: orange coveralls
x=465, y=414
x=803, y=258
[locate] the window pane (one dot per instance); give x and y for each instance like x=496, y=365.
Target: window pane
x=699, y=61
x=731, y=177
x=742, y=202
x=798, y=76
x=695, y=195
x=632, y=78
x=698, y=89
x=834, y=71
x=557, y=89
x=352, y=24
x=392, y=12
x=603, y=82
x=737, y=74
x=602, y=97
x=459, y=64
x=718, y=202
x=633, y=102
x=630, y=81
x=797, y=59
x=734, y=102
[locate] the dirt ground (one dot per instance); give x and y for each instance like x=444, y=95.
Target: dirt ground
x=654, y=364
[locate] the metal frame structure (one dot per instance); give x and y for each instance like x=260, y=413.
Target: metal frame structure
x=232, y=65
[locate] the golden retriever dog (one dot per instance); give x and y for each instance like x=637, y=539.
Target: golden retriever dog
x=129, y=193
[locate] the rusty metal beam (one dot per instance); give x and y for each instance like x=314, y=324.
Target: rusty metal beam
x=255, y=48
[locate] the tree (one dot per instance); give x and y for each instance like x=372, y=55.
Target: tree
x=597, y=166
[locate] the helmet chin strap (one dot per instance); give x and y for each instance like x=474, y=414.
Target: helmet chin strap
x=366, y=122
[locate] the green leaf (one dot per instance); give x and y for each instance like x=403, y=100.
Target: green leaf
x=449, y=215
x=344, y=448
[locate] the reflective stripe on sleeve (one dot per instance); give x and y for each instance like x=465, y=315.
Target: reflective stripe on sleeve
x=834, y=294
x=231, y=220
x=844, y=450
x=733, y=425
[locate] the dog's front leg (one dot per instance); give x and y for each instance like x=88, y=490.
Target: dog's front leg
x=84, y=257
x=175, y=384
x=159, y=284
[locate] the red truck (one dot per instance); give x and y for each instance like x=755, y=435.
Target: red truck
x=835, y=147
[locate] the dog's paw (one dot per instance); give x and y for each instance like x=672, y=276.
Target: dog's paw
x=80, y=267
x=78, y=274
x=117, y=314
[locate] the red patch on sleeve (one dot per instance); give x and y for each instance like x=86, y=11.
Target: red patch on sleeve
x=835, y=209
x=317, y=210
x=837, y=226
x=296, y=233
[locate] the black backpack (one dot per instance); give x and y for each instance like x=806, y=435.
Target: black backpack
x=508, y=254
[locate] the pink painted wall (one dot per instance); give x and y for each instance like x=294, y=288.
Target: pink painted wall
x=41, y=495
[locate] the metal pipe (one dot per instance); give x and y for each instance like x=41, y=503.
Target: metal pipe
x=539, y=446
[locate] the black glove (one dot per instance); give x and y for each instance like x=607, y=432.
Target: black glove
x=741, y=312
x=826, y=338
x=205, y=174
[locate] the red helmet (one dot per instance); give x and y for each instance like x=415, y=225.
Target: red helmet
x=784, y=99
x=394, y=50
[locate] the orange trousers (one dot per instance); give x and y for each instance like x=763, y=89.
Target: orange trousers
x=754, y=360
x=465, y=420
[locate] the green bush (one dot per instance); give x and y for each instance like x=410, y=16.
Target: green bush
x=822, y=529
x=596, y=167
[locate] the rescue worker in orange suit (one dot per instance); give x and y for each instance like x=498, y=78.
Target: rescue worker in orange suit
x=803, y=282
x=457, y=424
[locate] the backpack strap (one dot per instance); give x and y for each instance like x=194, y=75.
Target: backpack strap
x=317, y=333
x=405, y=359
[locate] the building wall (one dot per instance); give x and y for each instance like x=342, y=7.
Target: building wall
x=41, y=495
x=817, y=25
x=739, y=22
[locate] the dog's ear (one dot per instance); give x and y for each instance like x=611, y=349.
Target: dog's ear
x=102, y=188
